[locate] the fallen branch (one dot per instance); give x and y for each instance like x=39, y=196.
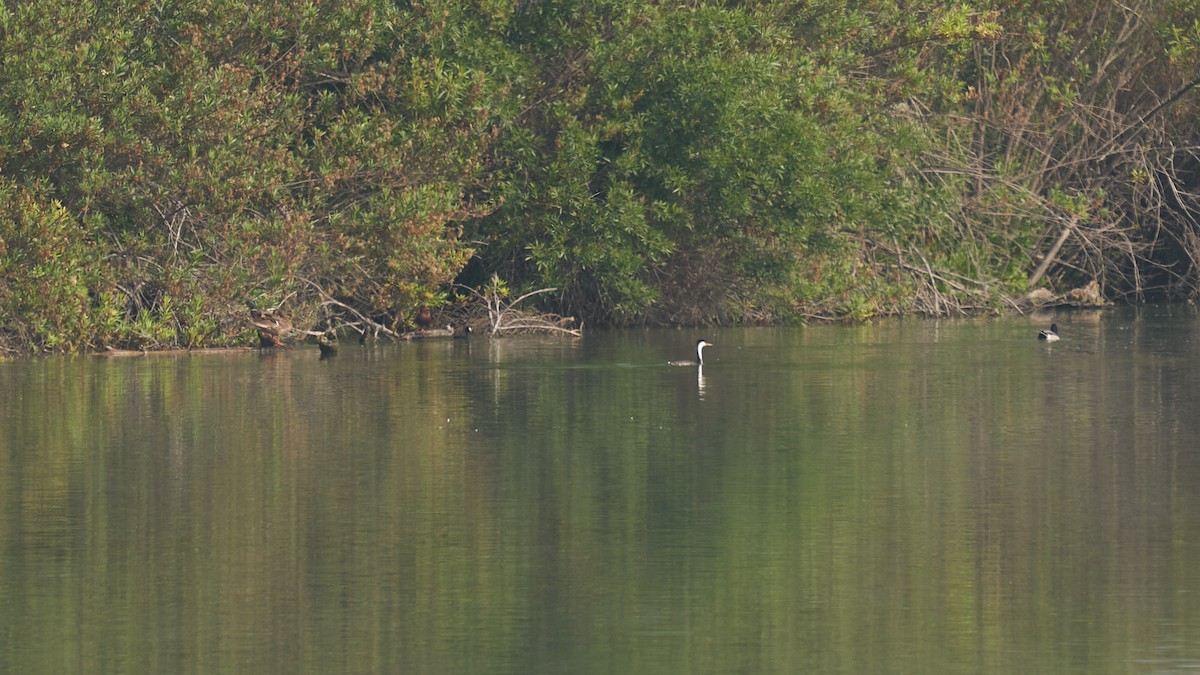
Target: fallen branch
x=1052, y=253
x=368, y=325
x=504, y=318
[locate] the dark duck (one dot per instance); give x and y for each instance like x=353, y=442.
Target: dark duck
x=327, y=342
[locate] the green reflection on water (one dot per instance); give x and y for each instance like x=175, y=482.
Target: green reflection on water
x=908, y=496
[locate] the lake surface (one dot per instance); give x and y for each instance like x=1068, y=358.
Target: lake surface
x=908, y=496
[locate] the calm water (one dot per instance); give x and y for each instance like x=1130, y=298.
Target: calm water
x=911, y=496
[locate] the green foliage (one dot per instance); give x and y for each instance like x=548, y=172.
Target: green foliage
x=693, y=158
x=47, y=267
x=223, y=148
x=655, y=162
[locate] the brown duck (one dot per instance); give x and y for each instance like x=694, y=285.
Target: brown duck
x=271, y=325
x=424, y=317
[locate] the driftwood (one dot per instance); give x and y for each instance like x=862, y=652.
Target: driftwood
x=505, y=319
x=1087, y=296
x=120, y=353
x=361, y=323
x=437, y=333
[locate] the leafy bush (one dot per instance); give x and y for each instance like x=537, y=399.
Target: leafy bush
x=655, y=162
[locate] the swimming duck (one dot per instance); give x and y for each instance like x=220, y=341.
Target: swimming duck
x=272, y=326
x=700, y=345
x=463, y=332
x=1049, y=335
x=327, y=342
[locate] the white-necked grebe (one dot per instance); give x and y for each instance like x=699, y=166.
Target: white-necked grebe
x=700, y=345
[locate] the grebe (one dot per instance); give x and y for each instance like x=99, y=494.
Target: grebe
x=700, y=345
x=1049, y=335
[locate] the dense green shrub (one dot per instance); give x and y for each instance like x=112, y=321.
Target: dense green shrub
x=161, y=163
x=221, y=150
x=47, y=267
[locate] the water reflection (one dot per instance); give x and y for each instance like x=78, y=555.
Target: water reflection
x=899, y=497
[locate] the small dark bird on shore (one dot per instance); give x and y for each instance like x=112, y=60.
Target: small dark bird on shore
x=424, y=317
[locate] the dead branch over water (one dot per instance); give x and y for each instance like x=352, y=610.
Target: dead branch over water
x=505, y=318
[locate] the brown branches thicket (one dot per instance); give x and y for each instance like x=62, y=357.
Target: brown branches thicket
x=1082, y=153
x=505, y=318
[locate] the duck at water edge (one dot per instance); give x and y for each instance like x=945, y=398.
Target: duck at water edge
x=424, y=317
x=327, y=342
x=271, y=325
